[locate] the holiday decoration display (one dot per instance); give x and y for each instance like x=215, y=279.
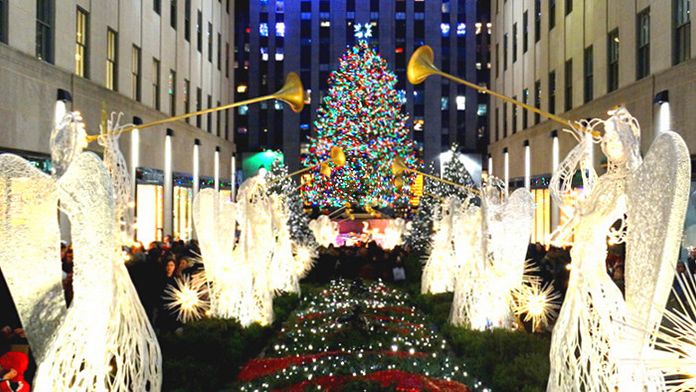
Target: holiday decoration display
x=440, y=268
x=187, y=297
x=31, y=265
x=105, y=341
x=492, y=240
x=394, y=233
x=592, y=348
x=214, y=217
x=325, y=230
x=355, y=332
x=283, y=268
x=422, y=224
x=362, y=115
x=536, y=303
x=280, y=183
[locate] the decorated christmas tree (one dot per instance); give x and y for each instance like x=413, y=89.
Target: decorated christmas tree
x=297, y=219
x=362, y=114
x=434, y=192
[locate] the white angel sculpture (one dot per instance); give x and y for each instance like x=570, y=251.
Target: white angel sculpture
x=592, y=347
x=491, y=244
x=439, y=271
x=104, y=340
x=215, y=222
x=284, y=266
x=325, y=230
x=394, y=233
x=253, y=252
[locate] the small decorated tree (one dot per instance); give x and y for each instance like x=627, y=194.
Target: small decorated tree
x=298, y=221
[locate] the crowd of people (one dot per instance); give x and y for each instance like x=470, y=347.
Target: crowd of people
x=367, y=261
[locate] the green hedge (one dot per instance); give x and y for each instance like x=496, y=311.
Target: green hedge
x=207, y=354
x=504, y=360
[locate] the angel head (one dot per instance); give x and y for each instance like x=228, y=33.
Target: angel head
x=621, y=140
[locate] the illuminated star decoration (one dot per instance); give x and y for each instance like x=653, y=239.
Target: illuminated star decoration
x=362, y=114
x=676, y=339
x=362, y=31
x=537, y=303
x=187, y=297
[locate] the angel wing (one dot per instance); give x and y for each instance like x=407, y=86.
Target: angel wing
x=658, y=193
x=31, y=265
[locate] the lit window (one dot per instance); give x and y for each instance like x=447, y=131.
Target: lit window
x=279, y=54
x=461, y=102
x=445, y=28
x=461, y=29
x=308, y=96
x=325, y=23
x=478, y=25
x=243, y=110
x=263, y=29
x=280, y=29
x=444, y=103
x=418, y=124
x=277, y=105
x=489, y=27
x=241, y=130
x=478, y=66
x=482, y=109
x=264, y=54
x=242, y=88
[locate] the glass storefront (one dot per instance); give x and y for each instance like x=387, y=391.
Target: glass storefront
x=183, y=213
x=150, y=213
x=541, y=228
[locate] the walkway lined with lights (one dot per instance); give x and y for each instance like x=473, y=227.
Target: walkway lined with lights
x=355, y=333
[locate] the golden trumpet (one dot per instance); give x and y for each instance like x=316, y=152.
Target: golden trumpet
x=421, y=65
x=292, y=93
x=398, y=167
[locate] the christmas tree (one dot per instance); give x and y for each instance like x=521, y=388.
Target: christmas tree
x=297, y=219
x=434, y=192
x=362, y=114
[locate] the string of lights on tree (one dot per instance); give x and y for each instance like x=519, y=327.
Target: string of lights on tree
x=362, y=114
x=354, y=332
x=433, y=194
x=298, y=221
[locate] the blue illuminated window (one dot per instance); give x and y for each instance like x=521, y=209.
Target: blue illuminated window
x=263, y=29
x=243, y=110
x=445, y=28
x=461, y=29
x=280, y=29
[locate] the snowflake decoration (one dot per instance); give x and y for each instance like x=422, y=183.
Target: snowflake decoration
x=537, y=303
x=362, y=31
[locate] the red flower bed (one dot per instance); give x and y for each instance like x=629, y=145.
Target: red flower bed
x=402, y=381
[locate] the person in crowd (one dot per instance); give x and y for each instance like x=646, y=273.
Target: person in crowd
x=12, y=367
x=182, y=266
x=165, y=320
x=618, y=277
x=676, y=285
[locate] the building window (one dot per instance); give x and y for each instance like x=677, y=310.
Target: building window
x=187, y=20
x=227, y=59
x=537, y=100
x=82, y=43
x=682, y=31
x=588, y=74
x=135, y=73
x=568, y=85
x=568, y=6
x=199, y=106
x=171, y=90
x=157, y=6
x=552, y=14
x=44, y=30
x=525, y=32
x=199, y=30
x=187, y=98
x=514, y=116
x=613, y=60
x=643, y=51
x=497, y=124
x=3, y=21
x=514, y=42
x=209, y=119
x=219, y=51
x=210, y=42
x=172, y=13
x=525, y=100
x=537, y=20
x=552, y=92
x=505, y=120
x=218, y=124
x=111, y=59
x=497, y=60
x=505, y=51
x=156, y=83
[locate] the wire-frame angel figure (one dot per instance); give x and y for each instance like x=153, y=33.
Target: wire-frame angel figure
x=592, y=349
